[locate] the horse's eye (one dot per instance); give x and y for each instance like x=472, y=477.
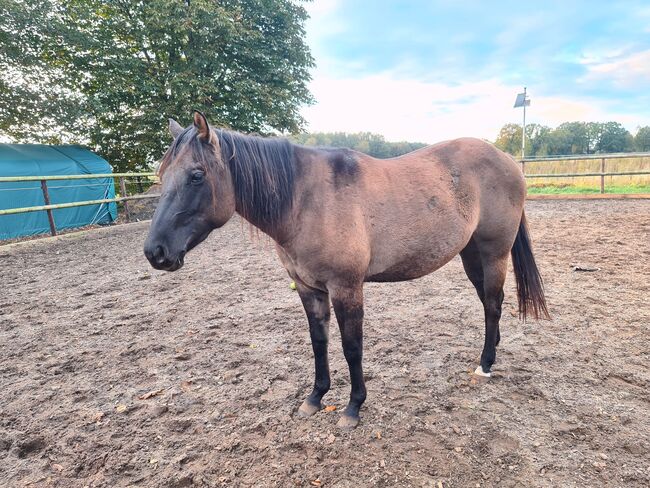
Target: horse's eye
x=197, y=177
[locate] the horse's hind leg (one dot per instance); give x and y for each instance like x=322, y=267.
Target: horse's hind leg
x=473, y=265
x=494, y=276
x=317, y=307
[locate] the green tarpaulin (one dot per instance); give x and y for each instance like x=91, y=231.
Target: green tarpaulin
x=43, y=160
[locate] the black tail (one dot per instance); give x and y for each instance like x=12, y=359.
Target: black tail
x=530, y=287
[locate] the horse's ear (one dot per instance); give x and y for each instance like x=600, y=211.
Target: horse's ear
x=175, y=128
x=202, y=126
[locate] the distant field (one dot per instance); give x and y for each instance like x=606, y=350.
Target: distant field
x=590, y=184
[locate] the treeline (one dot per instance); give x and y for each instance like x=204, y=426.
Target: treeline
x=366, y=142
x=573, y=138
x=567, y=138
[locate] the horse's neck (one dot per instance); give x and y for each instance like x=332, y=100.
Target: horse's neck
x=277, y=232
x=261, y=194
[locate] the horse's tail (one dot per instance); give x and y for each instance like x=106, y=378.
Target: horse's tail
x=530, y=287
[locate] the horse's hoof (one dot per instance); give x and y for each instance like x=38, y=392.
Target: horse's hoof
x=482, y=374
x=347, y=422
x=308, y=409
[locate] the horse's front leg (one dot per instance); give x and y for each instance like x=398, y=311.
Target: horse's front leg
x=348, y=307
x=317, y=307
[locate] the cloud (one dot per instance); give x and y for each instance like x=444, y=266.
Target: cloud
x=323, y=22
x=417, y=71
x=322, y=7
x=414, y=110
x=629, y=71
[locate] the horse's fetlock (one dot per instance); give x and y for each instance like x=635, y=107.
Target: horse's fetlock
x=322, y=387
x=358, y=398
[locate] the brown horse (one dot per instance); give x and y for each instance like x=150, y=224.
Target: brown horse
x=340, y=218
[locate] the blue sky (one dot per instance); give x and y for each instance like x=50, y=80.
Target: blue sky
x=432, y=70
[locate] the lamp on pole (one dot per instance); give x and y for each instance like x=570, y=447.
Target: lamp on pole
x=523, y=101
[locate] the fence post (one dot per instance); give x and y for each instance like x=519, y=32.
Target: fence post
x=602, y=175
x=46, y=197
x=125, y=202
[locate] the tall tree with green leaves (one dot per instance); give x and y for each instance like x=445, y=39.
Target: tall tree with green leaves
x=642, y=139
x=509, y=139
x=108, y=73
x=613, y=138
x=538, y=140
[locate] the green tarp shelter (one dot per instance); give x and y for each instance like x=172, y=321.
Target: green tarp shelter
x=44, y=160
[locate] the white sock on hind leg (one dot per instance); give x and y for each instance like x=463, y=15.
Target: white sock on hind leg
x=479, y=372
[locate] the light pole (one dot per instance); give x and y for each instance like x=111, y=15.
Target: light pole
x=523, y=101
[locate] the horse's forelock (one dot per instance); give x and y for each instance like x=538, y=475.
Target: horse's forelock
x=204, y=154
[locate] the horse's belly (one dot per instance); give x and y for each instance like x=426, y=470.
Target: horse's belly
x=414, y=265
x=403, y=272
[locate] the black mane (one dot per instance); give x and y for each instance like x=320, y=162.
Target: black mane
x=263, y=172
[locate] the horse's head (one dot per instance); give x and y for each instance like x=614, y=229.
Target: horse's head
x=197, y=194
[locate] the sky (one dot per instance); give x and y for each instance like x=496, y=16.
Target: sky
x=428, y=71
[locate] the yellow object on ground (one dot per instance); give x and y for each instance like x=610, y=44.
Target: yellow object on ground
x=292, y=285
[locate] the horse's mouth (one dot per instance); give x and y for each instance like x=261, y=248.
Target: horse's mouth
x=174, y=265
x=178, y=264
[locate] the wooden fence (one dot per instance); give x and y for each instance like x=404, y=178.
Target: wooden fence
x=48, y=207
x=124, y=198
x=586, y=157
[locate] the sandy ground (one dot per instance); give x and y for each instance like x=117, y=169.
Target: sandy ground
x=113, y=374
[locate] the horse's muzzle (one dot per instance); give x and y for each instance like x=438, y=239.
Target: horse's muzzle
x=160, y=258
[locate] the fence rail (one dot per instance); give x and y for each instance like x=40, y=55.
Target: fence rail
x=48, y=207
x=586, y=157
x=569, y=175
x=56, y=206
x=583, y=157
x=11, y=179
x=124, y=198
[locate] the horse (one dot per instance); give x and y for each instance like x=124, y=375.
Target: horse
x=340, y=218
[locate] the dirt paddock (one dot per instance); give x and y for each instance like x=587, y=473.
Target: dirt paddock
x=113, y=374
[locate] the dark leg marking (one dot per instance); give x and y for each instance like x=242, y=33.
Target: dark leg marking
x=494, y=270
x=317, y=308
x=348, y=307
x=473, y=265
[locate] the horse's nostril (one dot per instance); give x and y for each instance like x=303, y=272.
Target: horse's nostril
x=159, y=254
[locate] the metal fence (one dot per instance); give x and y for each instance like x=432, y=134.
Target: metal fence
x=124, y=198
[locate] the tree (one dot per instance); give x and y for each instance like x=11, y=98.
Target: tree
x=538, y=140
x=614, y=138
x=110, y=73
x=571, y=138
x=509, y=139
x=642, y=139
x=366, y=142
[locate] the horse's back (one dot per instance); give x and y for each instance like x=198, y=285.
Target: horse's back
x=425, y=206
x=400, y=218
